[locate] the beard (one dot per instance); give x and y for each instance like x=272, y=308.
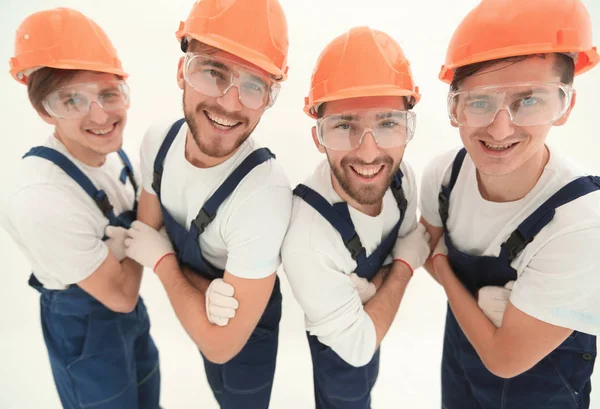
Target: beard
x=214, y=146
x=364, y=194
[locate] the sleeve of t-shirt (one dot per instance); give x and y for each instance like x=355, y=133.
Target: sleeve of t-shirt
x=560, y=285
x=59, y=232
x=409, y=185
x=332, y=307
x=434, y=174
x=255, y=230
x=148, y=151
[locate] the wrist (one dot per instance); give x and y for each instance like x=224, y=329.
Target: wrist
x=399, y=262
x=162, y=262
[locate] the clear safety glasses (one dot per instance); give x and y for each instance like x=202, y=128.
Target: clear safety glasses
x=214, y=76
x=528, y=104
x=74, y=101
x=345, y=131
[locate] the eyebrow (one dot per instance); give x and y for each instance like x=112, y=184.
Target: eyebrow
x=216, y=64
x=530, y=92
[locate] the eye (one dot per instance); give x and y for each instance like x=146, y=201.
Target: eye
x=253, y=87
x=214, y=74
x=529, y=102
x=344, y=126
x=389, y=124
x=479, y=104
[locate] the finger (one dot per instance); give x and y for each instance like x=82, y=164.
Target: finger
x=222, y=312
x=222, y=301
x=509, y=285
x=221, y=287
x=220, y=321
x=128, y=242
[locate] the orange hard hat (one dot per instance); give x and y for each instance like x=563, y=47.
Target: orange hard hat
x=360, y=63
x=62, y=38
x=254, y=30
x=507, y=28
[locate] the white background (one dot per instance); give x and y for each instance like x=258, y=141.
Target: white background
x=143, y=33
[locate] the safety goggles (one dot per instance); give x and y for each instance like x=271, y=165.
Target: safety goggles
x=528, y=104
x=214, y=76
x=345, y=131
x=74, y=101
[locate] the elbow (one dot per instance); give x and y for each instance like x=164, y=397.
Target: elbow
x=504, y=367
x=123, y=304
x=218, y=356
x=217, y=352
x=356, y=356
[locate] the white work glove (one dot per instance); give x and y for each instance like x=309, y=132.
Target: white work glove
x=220, y=304
x=493, y=301
x=365, y=288
x=413, y=249
x=146, y=245
x=116, y=241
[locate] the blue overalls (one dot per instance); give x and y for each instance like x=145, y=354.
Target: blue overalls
x=247, y=379
x=337, y=384
x=559, y=381
x=100, y=359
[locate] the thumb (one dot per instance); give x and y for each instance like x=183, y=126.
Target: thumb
x=509, y=285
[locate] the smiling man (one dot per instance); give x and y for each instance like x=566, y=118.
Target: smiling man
x=355, y=213
x=225, y=203
x=76, y=197
x=514, y=213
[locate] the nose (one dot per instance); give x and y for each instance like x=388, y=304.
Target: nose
x=230, y=100
x=97, y=114
x=368, y=150
x=502, y=126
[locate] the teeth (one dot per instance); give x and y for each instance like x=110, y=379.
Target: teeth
x=221, y=121
x=497, y=147
x=367, y=171
x=102, y=131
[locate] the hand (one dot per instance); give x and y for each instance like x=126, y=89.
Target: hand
x=116, y=241
x=146, y=245
x=493, y=301
x=366, y=290
x=413, y=249
x=220, y=304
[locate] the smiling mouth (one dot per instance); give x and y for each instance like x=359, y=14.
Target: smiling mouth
x=367, y=172
x=498, y=147
x=107, y=130
x=220, y=122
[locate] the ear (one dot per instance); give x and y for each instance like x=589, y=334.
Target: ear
x=563, y=120
x=454, y=124
x=180, y=79
x=320, y=147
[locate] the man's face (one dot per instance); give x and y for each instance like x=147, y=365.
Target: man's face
x=364, y=172
x=219, y=124
x=502, y=147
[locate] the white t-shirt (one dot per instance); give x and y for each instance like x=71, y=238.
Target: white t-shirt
x=559, y=271
x=245, y=236
x=57, y=225
x=318, y=264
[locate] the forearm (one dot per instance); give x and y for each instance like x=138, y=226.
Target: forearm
x=428, y=266
x=197, y=280
x=382, y=308
x=478, y=329
x=188, y=302
x=381, y=276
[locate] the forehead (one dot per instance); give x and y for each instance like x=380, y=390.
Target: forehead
x=533, y=69
x=364, y=103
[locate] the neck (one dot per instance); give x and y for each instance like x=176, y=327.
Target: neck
x=517, y=184
x=81, y=153
x=199, y=159
x=368, y=209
